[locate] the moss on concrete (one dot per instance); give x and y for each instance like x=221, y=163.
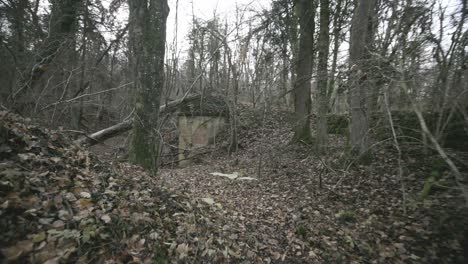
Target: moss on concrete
x=205, y=106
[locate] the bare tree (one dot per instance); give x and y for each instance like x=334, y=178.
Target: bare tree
x=62, y=31
x=322, y=73
x=340, y=17
x=359, y=55
x=148, y=38
x=304, y=66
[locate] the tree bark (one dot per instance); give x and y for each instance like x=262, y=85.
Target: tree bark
x=77, y=114
x=63, y=24
x=360, y=42
x=62, y=30
x=127, y=125
x=148, y=38
x=306, y=12
x=292, y=22
x=322, y=72
x=284, y=70
x=338, y=20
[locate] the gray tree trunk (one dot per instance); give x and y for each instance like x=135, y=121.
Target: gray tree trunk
x=148, y=37
x=305, y=10
x=292, y=23
x=338, y=20
x=61, y=37
x=360, y=42
x=322, y=72
x=126, y=125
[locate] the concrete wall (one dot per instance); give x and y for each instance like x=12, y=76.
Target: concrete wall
x=196, y=132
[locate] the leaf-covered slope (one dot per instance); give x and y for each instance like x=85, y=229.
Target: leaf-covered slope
x=59, y=204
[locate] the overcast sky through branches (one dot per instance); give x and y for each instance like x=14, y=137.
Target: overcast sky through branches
x=182, y=12
x=204, y=9
x=225, y=10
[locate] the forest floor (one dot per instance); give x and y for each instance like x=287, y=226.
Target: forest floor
x=291, y=207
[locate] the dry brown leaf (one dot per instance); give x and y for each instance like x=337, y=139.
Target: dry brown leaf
x=276, y=255
x=106, y=218
x=39, y=237
x=20, y=249
x=183, y=248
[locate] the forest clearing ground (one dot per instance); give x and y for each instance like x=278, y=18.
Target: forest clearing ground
x=60, y=203
x=285, y=215
x=261, y=216
x=300, y=211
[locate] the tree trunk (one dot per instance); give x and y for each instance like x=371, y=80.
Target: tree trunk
x=126, y=125
x=360, y=42
x=292, y=23
x=322, y=72
x=284, y=70
x=62, y=29
x=337, y=28
x=306, y=11
x=148, y=37
x=64, y=15
x=77, y=114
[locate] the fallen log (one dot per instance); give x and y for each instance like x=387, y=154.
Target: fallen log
x=106, y=133
x=126, y=125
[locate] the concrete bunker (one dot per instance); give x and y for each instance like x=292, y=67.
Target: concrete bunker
x=199, y=122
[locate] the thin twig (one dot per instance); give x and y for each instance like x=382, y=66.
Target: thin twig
x=85, y=95
x=397, y=147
